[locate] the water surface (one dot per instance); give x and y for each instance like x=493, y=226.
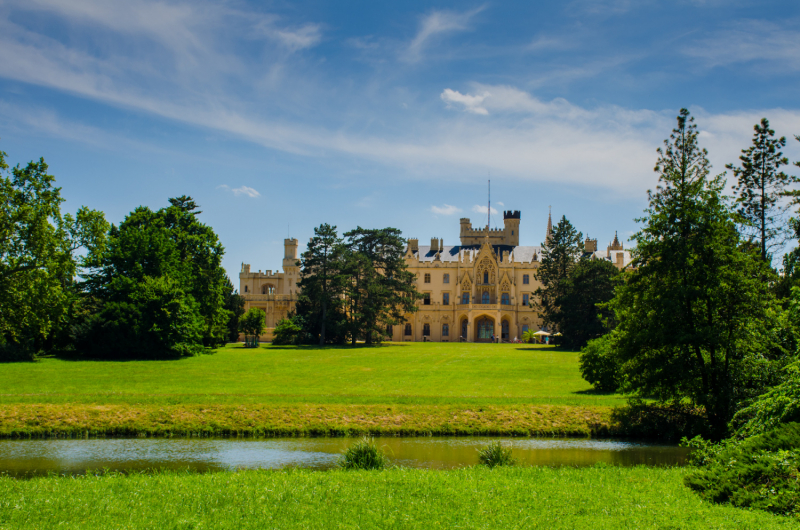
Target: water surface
x=26, y=457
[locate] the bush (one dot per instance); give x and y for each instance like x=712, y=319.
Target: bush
x=495, y=454
x=598, y=364
x=364, y=454
x=781, y=404
x=663, y=421
x=287, y=332
x=759, y=472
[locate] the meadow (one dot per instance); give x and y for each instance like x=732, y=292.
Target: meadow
x=410, y=388
x=602, y=497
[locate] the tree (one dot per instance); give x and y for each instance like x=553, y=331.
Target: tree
x=381, y=290
x=172, y=244
x=560, y=252
x=581, y=315
x=234, y=304
x=693, y=312
x=761, y=186
x=252, y=325
x=37, y=258
x=322, y=282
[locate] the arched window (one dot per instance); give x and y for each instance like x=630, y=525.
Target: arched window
x=485, y=328
x=245, y=288
x=445, y=330
x=524, y=329
x=504, y=330
x=408, y=330
x=464, y=298
x=485, y=298
x=464, y=329
x=426, y=330
x=268, y=289
x=505, y=300
x=486, y=277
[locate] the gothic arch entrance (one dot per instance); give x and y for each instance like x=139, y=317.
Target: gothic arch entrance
x=484, y=328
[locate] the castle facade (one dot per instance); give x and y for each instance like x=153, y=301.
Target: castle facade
x=481, y=288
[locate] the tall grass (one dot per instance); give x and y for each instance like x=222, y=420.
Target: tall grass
x=599, y=498
x=364, y=454
x=495, y=454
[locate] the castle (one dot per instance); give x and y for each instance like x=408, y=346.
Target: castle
x=483, y=287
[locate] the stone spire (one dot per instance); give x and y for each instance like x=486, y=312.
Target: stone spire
x=549, y=223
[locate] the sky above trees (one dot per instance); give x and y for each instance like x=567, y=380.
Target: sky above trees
x=277, y=117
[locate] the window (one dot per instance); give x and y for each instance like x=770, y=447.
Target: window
x=267, y=289
x=245, y=288
x=464, y=298
x=526, y=279
x=446, y=278
x=446, y=299
x=427, y=299
x=504, y=330
x=505, y=300
x=427, y=277
x=390, y=330
x=512, y=232
x=485, y=298
x=485, y=277
x=485, y=328
x=464, y=329
x=426, y=330
x=408, y=330
x=525, y=299
x=524, y=328
x=445, y=330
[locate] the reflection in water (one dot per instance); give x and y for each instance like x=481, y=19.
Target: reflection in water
x=22, y=457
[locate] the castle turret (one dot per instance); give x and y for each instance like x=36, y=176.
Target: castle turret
x=511, y=222
x=549, y=225
x=590, y=245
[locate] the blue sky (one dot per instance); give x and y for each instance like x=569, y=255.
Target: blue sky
x=279, y=116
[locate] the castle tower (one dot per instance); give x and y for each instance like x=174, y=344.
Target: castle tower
x=290, y=255
x=511, y=232
x=549, y=224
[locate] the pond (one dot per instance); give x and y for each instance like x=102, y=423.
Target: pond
x=32, y=457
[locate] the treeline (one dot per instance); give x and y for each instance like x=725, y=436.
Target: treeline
x=152, y=287
x=701, y=321
x=352, y=288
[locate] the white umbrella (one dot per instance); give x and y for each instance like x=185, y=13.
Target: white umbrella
x=541, y=333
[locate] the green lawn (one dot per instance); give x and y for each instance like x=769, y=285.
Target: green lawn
x=416, y=373
x=428, y=388
x=548, y=498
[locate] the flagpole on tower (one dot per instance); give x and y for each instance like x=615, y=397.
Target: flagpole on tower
x=489, y=209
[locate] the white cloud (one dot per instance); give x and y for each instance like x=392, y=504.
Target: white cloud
x=470, y=103
x=759, y=42
x=482, y=209
x=242, y=190
x=500, y=204
x=436, y=23
x=445, y=209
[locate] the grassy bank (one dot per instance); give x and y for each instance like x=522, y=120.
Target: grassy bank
x=412, y=388
x=598, y=498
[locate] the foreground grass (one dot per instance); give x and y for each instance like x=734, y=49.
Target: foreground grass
x=553, y=498
x=412, y=388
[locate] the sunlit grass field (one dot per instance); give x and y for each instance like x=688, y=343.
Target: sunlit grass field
x=410, y=388
x=549, y=498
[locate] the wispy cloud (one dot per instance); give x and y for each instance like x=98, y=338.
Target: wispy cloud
x=435, y=24
x=482, y=209
x=445, y=209
x=469, y=103
x=241, y=190
x=762, y=43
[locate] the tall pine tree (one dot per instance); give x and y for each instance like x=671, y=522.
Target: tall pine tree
x=560, y=252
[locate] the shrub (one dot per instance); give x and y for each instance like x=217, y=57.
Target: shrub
x=781, y=404
x=663, y=421
x=287, y=332
x=759, y=472
x=364, y=454
x=495, y=454
x=598, y=364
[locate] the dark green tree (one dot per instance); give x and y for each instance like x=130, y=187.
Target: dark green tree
x=322, y=283
x=560, y=253
x=760, y=187
x=692, y=314
x=172, y=244
x=580, y=318
x=381, y=290
x=234, y=304
x=38, y=262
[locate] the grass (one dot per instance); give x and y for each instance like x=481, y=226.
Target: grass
x=602, y=497
x=413, y=388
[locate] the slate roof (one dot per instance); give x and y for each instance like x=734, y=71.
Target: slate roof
x=452, y=253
